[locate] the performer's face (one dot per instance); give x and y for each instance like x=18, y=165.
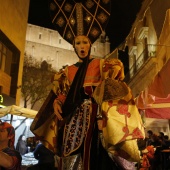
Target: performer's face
x=82, y=46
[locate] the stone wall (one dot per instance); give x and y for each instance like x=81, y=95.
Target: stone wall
x=46, y=44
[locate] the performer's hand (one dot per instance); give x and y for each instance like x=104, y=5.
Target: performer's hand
x=100, y=124
x=57, y=109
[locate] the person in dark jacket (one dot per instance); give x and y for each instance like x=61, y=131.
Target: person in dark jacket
x=45, y=158
x=22, y=145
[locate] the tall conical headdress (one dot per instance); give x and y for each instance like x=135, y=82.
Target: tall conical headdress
x=83, y=17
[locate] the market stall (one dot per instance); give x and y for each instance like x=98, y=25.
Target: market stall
x=14, y=114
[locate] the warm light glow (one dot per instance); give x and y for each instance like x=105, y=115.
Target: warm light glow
x=1, y=99
x=2, y=106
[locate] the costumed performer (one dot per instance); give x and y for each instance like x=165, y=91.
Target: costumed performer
x=94, y=120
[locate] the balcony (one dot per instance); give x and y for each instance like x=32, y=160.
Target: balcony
x=147, y=54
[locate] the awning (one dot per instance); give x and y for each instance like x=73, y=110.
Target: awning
x=17, y=110
x=155, y=99
x=154, y=107
x=160, y=86
x=160, y=109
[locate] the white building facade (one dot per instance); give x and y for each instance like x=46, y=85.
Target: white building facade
x=47, y=44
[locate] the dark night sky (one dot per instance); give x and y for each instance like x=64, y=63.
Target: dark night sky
x=122, y=17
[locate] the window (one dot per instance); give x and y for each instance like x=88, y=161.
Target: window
x=39, y=35
x=0, y=95
x=0, y=55
x=143, y=33
x=0, y=59
x=9, y=63
x=3, y=55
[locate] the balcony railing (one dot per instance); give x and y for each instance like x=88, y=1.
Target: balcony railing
x=141, y=60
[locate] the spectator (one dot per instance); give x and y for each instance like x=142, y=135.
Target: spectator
x=9, y=157
x=22, y=145
x=167, y=141
x=45, y=158
x=161, y=135
x=153, y=139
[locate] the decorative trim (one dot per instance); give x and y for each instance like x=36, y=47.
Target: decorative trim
x=143, y=33
x=133, y=50
x=79, y=15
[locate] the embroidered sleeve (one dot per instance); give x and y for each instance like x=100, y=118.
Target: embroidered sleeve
x=113, y=68
x=60, y=85
x=112, y=87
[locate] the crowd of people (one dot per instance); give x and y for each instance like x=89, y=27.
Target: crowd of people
x=158, y=139
x=45, y=157
x=150, y=147
x=11, y=156
x=151, y=151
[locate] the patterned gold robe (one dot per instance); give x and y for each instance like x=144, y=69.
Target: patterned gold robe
x=120, y=121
